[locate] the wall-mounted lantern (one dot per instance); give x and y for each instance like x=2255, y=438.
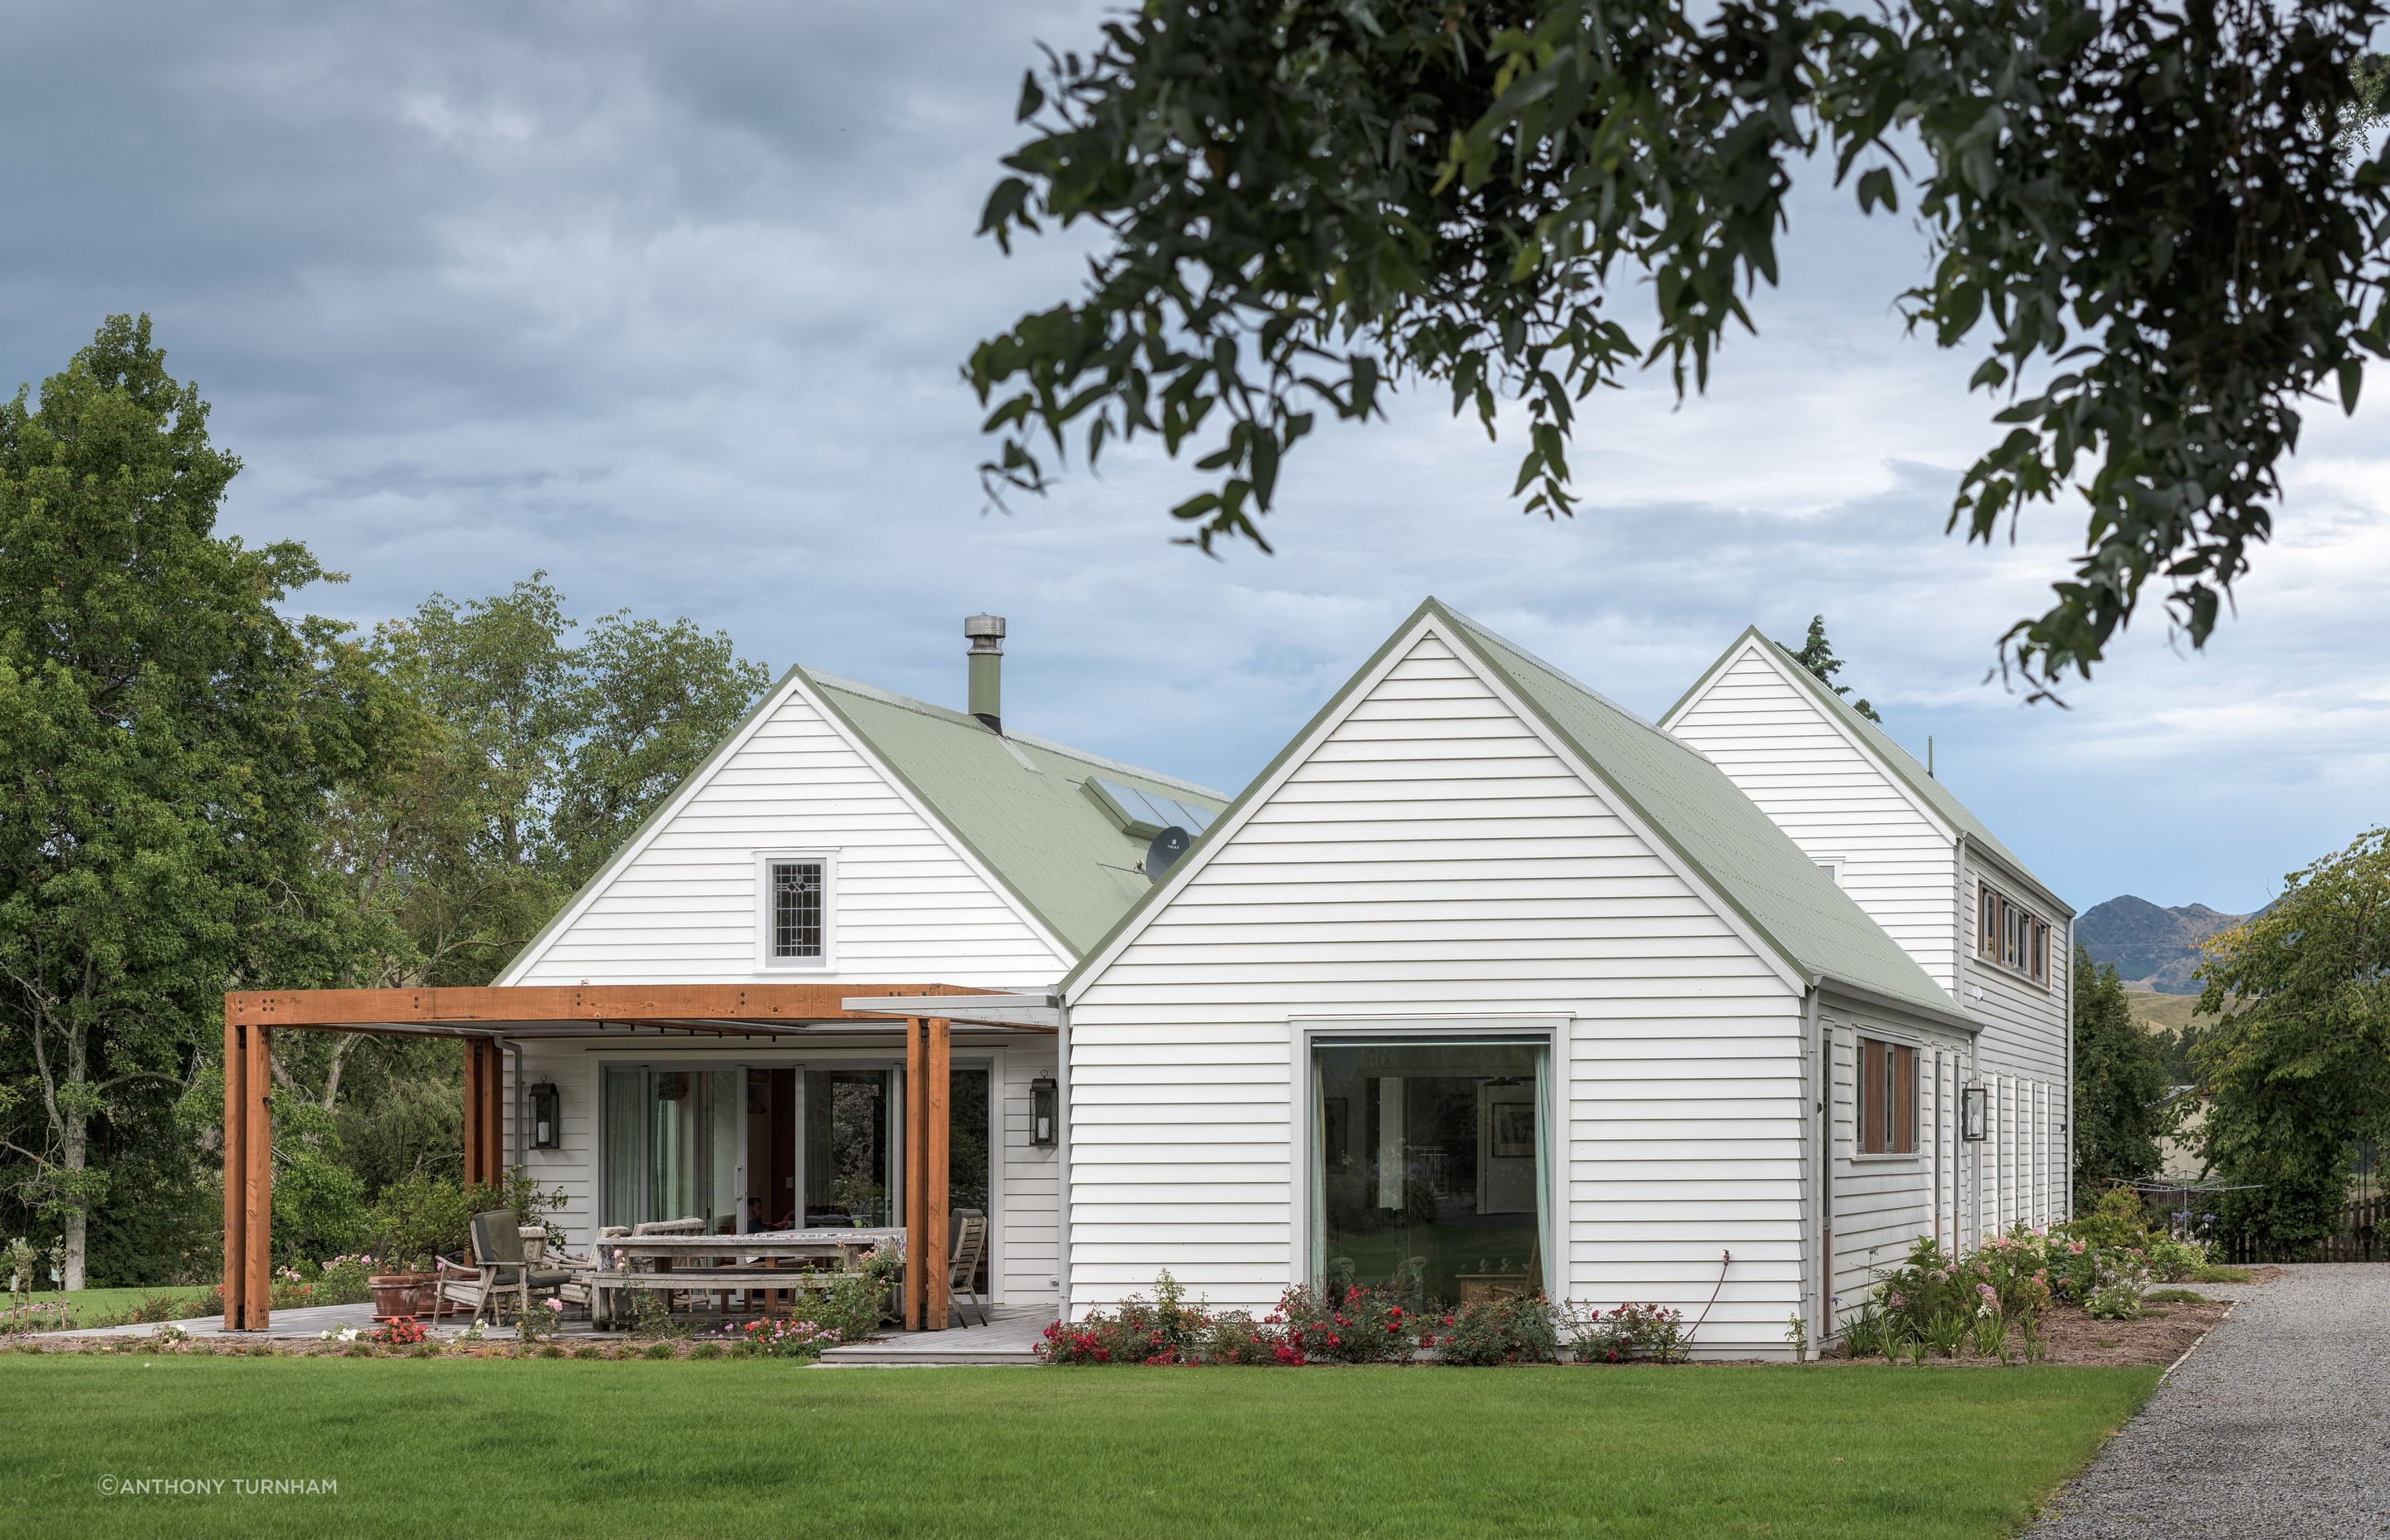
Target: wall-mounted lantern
x=547, y=1116
x=1041, y=1111
x=1975, y=1114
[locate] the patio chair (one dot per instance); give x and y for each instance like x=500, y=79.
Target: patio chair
x=967, y=1244
x=497, y=1251
x=584, y=1290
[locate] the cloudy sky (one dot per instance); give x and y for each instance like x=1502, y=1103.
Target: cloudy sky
x=669, y=300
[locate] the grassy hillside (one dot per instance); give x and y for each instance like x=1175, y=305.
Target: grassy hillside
x=2170, y=1011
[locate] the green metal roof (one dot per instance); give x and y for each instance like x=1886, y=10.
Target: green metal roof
x=1895, y=759
x=1736, y=849
x=1015, y=801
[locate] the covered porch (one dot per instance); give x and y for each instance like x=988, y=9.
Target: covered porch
x=913, y=1028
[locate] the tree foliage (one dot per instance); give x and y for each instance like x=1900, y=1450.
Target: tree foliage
x=2142, y=224
x=200, y=793
x=2298, y=1073
x=540, y=754
x=1817, y=655
x=2122, y=1102
x=167, y=742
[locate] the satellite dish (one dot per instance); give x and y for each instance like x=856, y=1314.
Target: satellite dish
x=1163, y=854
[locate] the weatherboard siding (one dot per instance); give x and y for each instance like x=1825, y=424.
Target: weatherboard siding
x=2025, y=1023
x=1431, y=856
x=1882, y=1205
x=1804, y=770
x=907, y=907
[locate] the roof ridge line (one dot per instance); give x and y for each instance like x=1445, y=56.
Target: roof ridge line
x=963, y=719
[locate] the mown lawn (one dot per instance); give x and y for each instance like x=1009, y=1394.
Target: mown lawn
x=93, y=1304
x=741, y=1447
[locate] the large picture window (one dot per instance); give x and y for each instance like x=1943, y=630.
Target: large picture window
x=1887, y=1099
x=2010, y=935
x=1427, y=1167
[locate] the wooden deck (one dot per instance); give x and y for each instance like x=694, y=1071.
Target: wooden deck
x=1009, y=1337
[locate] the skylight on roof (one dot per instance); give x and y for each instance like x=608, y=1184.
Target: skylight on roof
x=1145, y=814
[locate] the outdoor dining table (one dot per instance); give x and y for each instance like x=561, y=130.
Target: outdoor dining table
x=693, y=1260
x=845, y=1245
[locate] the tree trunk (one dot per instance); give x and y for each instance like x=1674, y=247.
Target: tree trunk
x=74, y=1141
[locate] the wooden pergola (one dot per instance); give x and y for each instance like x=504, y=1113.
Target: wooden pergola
x=486, y=1020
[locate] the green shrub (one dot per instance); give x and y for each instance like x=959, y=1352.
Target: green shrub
x=1165, y=1329
x=1517, y=1331
x=778, y=1338
x=1237, y=1338
x=1629, y=1332
x=1354, y=1326
x=2173, y=1296
x=854, y=1304
x=660, y=1350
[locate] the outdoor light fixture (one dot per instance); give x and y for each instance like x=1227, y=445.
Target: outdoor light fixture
x=1975, y=1114
x=1041, y=1111
x=547, y=1117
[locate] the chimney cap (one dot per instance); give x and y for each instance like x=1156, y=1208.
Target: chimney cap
x=985, y=631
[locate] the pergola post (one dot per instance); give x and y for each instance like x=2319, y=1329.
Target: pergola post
x=249, y=1177
x=929, y=1045
x=937, y=1061
x=484, y=1113
x=236, y=1172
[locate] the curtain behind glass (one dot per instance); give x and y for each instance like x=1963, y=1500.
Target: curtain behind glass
x=626, y=1093
x=1545, y=1196
x=723, y=1103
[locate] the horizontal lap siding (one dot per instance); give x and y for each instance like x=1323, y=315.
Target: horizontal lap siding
x=1775, y=743
x=1030, y=1247
x=1434, y=858
x=1882, y=1206
x=2023, y=1051
x=907, y=907
x=2025, y=1023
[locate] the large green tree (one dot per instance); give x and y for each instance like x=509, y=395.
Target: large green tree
x=2123, y=1104
x=544, y=750
x=2145, y=222
x=168, y=741
x=2297, y=1073
x=528, y=750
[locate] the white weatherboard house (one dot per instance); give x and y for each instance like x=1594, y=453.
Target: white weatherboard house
x=1485, y=984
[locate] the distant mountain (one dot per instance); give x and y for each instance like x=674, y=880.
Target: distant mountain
x=2152, y=949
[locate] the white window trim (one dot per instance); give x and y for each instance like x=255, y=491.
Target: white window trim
x=765, y=959
x=1832, y=865
x=1305, y=1031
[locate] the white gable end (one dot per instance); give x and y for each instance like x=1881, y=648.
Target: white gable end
x=1430, y=855
x=1773, y=740
x=682, y=903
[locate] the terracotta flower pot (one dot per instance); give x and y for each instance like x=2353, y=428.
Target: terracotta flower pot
x=397, y=1294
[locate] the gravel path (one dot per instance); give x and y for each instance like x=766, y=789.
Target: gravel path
x=2277, y=1424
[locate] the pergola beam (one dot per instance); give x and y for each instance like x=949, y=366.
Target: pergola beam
x=496, y=1004
x=484, y=1017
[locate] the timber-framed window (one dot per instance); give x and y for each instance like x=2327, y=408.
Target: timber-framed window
x=2010, y=936
x=1887, y=1097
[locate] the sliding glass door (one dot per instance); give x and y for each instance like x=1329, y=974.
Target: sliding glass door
x=753, y=1147
x=1428, y=1168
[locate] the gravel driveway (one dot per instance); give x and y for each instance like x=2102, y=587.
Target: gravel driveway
x=2276, y=1426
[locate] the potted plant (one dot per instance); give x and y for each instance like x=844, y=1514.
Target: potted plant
x=415, y=1220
